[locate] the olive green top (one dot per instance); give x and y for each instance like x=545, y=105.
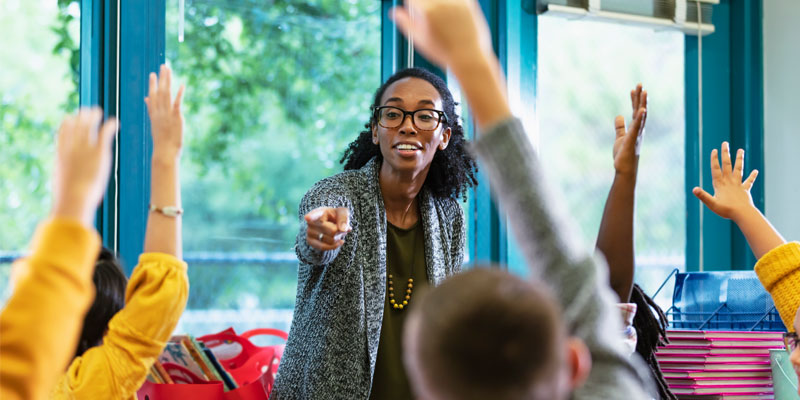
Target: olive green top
x=405, y=258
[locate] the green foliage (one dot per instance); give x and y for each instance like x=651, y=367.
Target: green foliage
x=585, y=73
x=274, y=94
x=39, y=84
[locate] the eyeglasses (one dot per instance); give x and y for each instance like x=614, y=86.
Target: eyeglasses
x=790, y=340
x=425, y=119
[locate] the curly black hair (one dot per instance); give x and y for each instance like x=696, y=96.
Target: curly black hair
x=651, y=324
x=453, y=171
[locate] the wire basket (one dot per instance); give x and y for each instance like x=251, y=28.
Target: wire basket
x=722, y=300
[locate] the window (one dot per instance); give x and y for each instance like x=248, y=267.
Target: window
x=38, y=85
x=274, y=95
x=585, y=73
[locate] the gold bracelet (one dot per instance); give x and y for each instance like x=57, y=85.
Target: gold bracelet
x=169, y=211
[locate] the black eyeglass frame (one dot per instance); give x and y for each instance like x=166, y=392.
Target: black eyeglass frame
x=441, y=114
x=790, y=340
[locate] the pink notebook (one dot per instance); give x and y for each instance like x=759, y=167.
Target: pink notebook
x=709, y=381
x=727, y=342
x=721, y=373
x=722, y=390
x=728, y=397
x=725, y=334
x=670, y=349
x=728, y=358
x=688, y=366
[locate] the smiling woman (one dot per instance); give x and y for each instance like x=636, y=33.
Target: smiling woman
x=391, y=217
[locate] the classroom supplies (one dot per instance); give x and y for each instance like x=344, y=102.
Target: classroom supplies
x=712, y=365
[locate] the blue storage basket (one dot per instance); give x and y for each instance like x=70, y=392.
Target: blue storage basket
x=722, y=300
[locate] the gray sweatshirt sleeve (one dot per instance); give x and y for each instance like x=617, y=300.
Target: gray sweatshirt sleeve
x=578, y=280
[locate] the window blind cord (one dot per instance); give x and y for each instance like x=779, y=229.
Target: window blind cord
x=115, y=224
x=410, y=57
x=181, y=21
x=700, y=124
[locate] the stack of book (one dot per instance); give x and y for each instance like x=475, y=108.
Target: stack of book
x=725, y=365
x=194, y=357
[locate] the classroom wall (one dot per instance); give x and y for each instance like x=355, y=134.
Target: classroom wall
x=782, y=115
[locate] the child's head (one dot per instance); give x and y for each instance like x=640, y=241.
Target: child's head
x=109, y=283
x=488, y=334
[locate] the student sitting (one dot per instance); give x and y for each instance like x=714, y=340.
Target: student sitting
x=41, y=321
x=778, y=266
x=489, y=349
x=115, y=355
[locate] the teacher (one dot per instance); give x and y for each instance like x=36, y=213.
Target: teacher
x=371, y=237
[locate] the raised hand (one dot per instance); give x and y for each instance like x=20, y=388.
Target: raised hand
x=164, y=231
x=327, y=227
x=446, y=32
x=454, y=35
x=83, y=164
x=628, y=142
x=166, y=119
x=731, y=197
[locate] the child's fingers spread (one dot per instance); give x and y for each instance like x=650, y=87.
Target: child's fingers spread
x=66, y=131
x=704, y=196
x=403, y=21
x=716, y=171
x=726, y=159
x=168, y=73
x=619, y=126
x=107, y=132
x=748, y=183
x=178, y=98
x=738, y=166
x=153, y=84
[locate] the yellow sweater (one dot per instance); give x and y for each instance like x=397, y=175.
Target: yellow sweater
x=154, y=301
x=779, y=272
x=41, y=323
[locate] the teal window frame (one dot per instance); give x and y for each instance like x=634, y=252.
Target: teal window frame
x=733, y=111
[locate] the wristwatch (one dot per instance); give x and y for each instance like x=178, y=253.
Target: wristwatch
x=169, y=211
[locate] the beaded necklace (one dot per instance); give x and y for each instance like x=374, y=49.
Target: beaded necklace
x=397, y=304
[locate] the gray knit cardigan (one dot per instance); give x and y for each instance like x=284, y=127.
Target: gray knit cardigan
x=333, y=341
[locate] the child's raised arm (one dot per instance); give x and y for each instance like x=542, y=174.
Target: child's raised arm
x=156, y=294
x=41, y=322
x=454, y=34
x=615, y=239
x=732, y=200
x=163, y=233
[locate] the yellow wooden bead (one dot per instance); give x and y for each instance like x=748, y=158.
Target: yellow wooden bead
x=391, y=294
x=410, y=280
x=405, y=303
x=408, y=297
x=410, y=285
x=400, y=306
x=408, y=291
x=391, y=288
x=390, y=276
x=391, y=301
